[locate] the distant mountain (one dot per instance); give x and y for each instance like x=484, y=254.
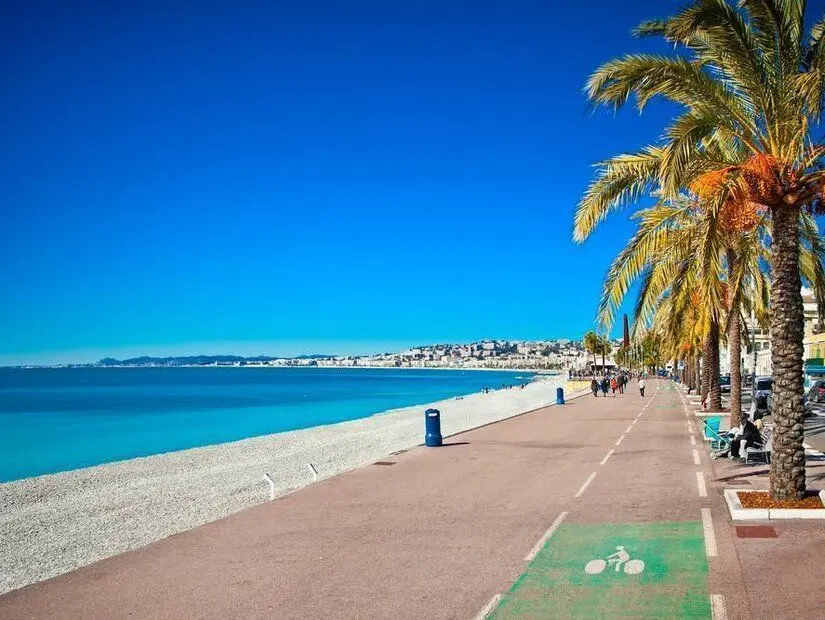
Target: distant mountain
x=198, y=360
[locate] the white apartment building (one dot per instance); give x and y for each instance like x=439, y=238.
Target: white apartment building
x=760, y=351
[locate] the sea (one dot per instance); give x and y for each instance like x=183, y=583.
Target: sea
x=58, y=419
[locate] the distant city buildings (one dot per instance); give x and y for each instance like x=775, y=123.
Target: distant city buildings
x=560, y=354
x=493, y=354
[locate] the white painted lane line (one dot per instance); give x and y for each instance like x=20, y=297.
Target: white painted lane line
x=618, y=441
x=692, y=440
x=606, y=456
x=700, y=483
x=717, y=607
x=710, y=536
x=628, y=429
x=696, y=460
x=490, y=606
x=585, y=485
x=543, y=540
x=690, y=427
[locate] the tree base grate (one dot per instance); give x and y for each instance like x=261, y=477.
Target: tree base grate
x=755, y=531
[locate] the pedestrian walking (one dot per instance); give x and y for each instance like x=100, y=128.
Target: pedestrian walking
x=594, y=387
x=605, y=386
x=642, y=387
x=614, y=385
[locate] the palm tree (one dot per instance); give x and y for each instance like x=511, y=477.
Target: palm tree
x=591, y=345
x=605, y=348
x=675, y=253
x=749, y=79
x=622, y=356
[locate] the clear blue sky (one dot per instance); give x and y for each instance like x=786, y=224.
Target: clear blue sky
x=289, y=177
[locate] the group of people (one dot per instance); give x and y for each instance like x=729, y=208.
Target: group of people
x=504, y=386
x=615, y=384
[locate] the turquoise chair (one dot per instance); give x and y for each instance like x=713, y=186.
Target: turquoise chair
x=717, y=441
x=712, y=426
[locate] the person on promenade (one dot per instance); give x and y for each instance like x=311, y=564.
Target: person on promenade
x=642, y=387
x=594, y=387
x=614, y=385
x=750, y=435
x=605, y=385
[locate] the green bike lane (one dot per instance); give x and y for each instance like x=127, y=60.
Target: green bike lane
x=632, y=541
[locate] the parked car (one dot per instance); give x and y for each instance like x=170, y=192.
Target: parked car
x=762, y=387
x=761, y=391
x=816, y=393
x=724, y=382
x=761, y=412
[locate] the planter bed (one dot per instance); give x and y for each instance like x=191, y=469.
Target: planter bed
x=757, y=505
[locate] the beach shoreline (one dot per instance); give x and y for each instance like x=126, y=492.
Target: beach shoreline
x=54, y=523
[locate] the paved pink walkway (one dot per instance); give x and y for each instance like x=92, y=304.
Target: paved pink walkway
x=436, y=534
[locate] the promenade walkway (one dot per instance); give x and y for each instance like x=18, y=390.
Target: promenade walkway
x=599, y=508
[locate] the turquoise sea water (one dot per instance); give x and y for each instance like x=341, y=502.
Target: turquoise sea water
x=64, y=418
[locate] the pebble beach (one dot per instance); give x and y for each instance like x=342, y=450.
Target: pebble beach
x=55, y=523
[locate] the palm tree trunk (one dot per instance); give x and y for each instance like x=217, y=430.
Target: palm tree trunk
x=715, y=388
x=787, y=327
x=691, y=368
x=698, y=374
x=734, y=348
x=707, y=365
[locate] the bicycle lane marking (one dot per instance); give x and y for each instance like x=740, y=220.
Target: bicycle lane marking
x=604, y=570
x=585, y=485
x=651, y=570
x=547, y=535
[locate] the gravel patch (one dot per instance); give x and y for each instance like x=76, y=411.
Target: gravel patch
x=53, y=524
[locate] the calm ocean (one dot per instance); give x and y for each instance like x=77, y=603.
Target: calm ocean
x=59, y=419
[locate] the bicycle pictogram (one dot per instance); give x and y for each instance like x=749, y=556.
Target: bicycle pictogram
x=619, y=560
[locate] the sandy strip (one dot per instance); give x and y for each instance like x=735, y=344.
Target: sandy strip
x=52, y=524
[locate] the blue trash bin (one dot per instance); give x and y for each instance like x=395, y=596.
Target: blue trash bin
x=559, y=396
x=432, y=420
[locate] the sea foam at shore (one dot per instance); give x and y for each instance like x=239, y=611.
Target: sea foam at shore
x=52, y=524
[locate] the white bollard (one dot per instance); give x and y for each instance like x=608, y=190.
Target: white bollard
x=271, y=486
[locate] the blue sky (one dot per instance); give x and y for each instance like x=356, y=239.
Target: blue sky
x=293, y=177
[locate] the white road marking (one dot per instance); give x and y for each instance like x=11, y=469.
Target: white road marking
x=628, y=429
x=710, y=536
x=585, y=485
x=543, y=540
x=490, y=606
x=606, y=456
x=692, y=440
x=619, y=440
x=717, y=607
x=700, y=483
x=696, y=460
x=690, y=427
